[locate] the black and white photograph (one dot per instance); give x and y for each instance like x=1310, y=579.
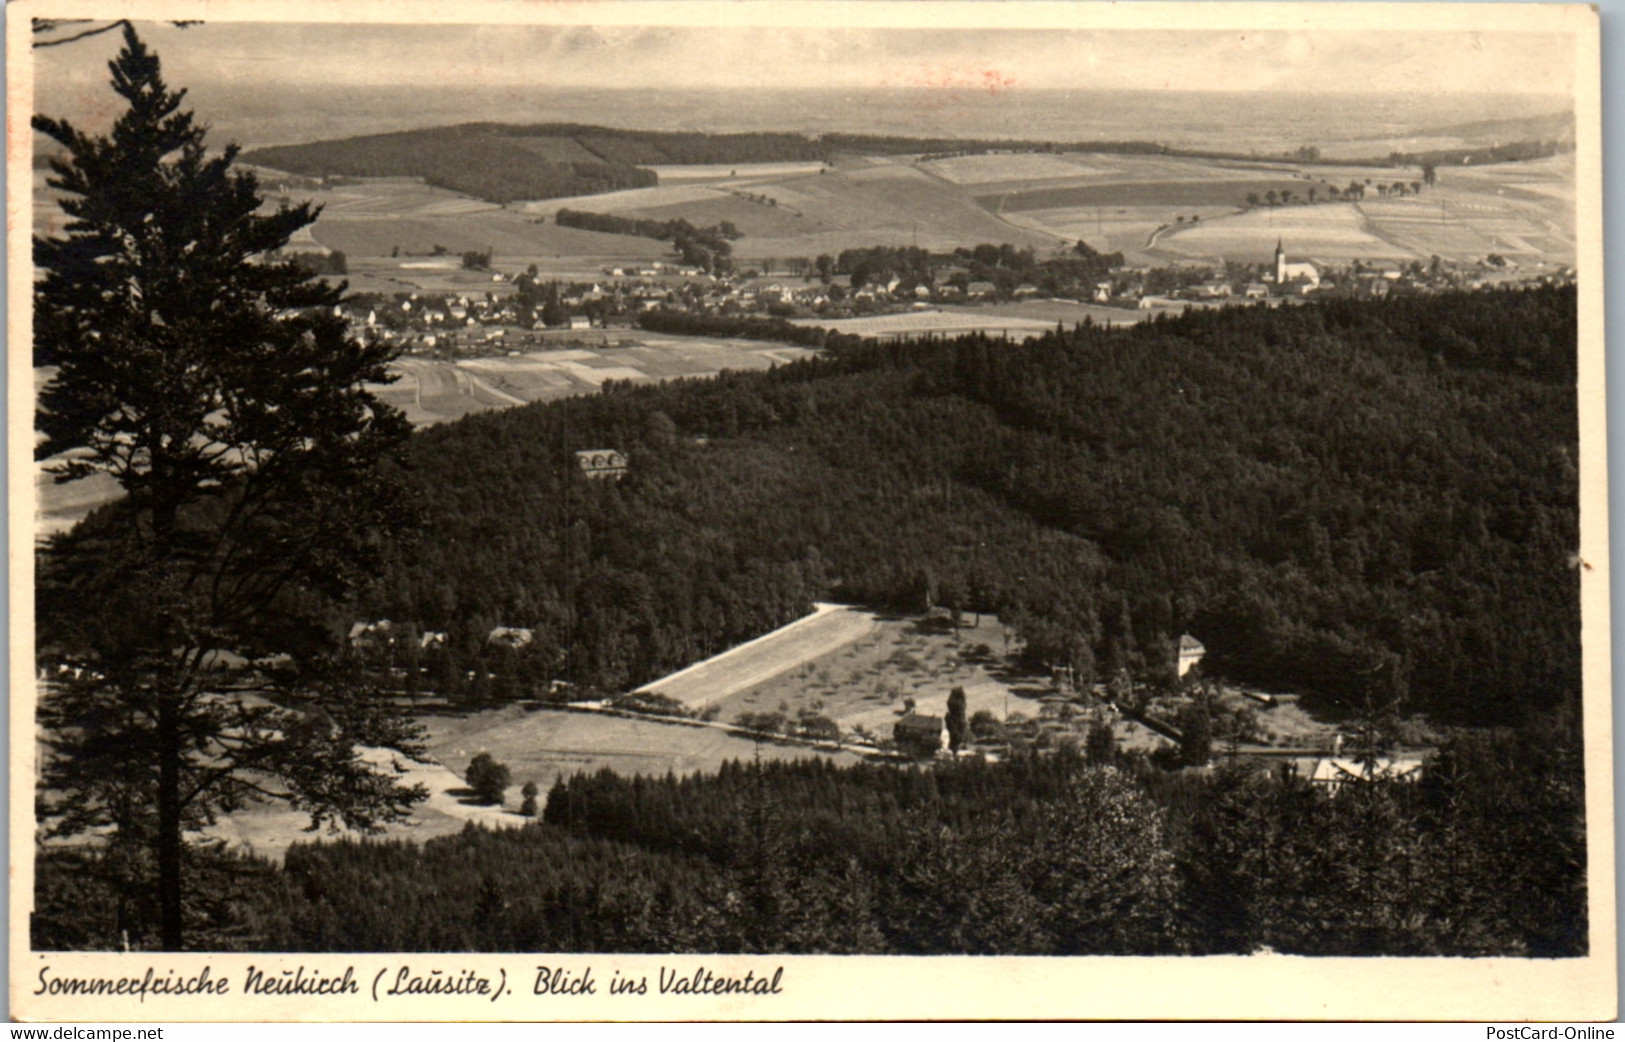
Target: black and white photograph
x=632, y=502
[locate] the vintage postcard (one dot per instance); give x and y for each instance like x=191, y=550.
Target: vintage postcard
x=765, y=511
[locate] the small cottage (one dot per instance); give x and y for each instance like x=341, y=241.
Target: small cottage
x=920, y=735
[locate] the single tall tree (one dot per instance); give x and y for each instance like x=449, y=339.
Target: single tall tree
x=219, y=389
x=958, y=726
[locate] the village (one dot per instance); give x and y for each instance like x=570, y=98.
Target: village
x=516, y=313
x=852, y=684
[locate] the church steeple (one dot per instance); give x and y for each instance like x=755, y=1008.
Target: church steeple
x=1280, y=262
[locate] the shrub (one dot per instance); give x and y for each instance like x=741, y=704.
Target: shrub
x=528, y=807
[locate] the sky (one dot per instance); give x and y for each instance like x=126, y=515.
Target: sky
x=583, y=56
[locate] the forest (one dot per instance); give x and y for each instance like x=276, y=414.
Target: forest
x=467, y=159
x=1335, y=498
x=1038, y=854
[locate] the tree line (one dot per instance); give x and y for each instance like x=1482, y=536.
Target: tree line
x=1056, y=853
x=1004, y=265
x=707, y=247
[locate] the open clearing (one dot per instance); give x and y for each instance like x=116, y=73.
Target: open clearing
x=829, y=627
x=861, y=684
x=269, y=829
x=909, y=323
x=537, y=745
x=868, y=682
x=541, y=745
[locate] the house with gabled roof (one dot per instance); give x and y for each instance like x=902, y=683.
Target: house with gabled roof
x=920, y=735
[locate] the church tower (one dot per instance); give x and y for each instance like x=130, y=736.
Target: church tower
x=1280, y=263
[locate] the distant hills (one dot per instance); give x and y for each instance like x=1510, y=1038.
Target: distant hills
x=504, y=163
x=1556, y=126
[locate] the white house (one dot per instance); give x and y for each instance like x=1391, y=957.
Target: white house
x=512, y=636
x=1190, y=653
x=601, y=463
x=1333, y=773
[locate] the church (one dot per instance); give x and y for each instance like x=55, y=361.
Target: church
x=1287, y=274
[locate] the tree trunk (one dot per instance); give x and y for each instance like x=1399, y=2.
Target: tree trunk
x=169, y=823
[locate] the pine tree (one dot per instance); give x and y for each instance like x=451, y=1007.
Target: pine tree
x=220, y=391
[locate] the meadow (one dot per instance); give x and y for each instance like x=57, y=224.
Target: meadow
x=943, y=321
x=540, y=745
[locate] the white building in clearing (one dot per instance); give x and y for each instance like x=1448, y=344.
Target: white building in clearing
x=1333, y=773
x=1190, y=653
x=1286, y=274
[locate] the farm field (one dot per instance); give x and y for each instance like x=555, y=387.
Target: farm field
x=431, y=391
x=1520, y=210
x=1322, y=233
x=976, y=170
x=540, y=745
x=506, y=233
x=910, y=323
x=1043, y=200
x=1128, y=230
x=1052, y=311
x=735, y=173
x=1182, y=194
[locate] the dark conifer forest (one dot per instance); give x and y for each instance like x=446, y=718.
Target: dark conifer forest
x=1338, y=499
x=1323, y=495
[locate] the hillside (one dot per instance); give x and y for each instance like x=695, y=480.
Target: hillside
x=1343, y=499
x=472, y=159
x=548, y=160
